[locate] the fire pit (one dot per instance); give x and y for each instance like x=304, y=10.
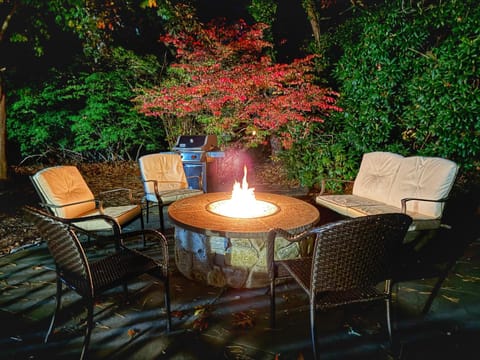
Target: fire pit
x=228, y=249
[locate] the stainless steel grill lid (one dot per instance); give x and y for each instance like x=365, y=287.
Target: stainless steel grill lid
x=196, y=143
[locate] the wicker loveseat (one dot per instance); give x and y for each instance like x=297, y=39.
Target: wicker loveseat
x=388, y=183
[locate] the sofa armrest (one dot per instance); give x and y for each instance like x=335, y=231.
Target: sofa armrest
x=405, y=200
x=324, y=181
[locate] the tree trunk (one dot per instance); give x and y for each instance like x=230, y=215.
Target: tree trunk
x=314, y=18
x=3, y=133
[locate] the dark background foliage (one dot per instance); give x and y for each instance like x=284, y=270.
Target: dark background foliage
x=407, y=73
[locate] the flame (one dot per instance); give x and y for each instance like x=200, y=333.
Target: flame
x=243, y=203
x=242, y=196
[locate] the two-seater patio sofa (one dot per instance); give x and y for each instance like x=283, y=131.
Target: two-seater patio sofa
x=388, y=182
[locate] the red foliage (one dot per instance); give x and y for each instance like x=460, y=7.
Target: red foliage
x=233, y=83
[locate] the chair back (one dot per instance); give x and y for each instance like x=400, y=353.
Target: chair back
x=356, y=253
x=65, y=248
x=166, y=169
x=61, y=185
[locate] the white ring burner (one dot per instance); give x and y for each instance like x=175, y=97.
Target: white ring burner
x=229, y=208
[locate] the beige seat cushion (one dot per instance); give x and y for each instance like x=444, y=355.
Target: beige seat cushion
x=122, y=214
x=174, y=195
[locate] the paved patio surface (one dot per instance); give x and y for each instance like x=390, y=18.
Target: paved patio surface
x=223, y=323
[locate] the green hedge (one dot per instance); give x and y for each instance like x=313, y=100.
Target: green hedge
x=409, y=79
x=87, y=115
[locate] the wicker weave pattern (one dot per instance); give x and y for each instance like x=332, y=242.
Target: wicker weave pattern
x=68, y=256
x=356, y=253
x=90, y=279
x=350, y=258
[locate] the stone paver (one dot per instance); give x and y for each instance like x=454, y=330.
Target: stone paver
x=225, y=323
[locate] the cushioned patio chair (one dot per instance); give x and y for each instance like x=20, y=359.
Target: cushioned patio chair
x=91, y=278
x=350, y=259
x=164, y=181
x=64, y=193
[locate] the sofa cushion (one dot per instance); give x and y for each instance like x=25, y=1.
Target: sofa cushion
x=355, y=206
x=425, y=178
x=343, y=204
x=376, y=175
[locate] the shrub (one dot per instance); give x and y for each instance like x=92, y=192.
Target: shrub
x=225, y=84
x=89, y=115
x=409, y=81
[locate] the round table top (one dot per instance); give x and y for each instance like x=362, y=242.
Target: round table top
x=191, y=213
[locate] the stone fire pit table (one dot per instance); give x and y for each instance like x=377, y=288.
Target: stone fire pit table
x=224, y=251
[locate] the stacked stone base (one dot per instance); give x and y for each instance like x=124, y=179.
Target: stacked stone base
x=233, y=262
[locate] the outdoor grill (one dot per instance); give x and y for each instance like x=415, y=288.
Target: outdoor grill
x=199, y=157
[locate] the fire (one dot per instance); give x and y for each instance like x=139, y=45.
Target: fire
x=243, y=203
x=242, y=196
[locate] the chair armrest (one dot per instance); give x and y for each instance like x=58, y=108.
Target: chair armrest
x=270, y=250
x=324, y=181
x=113, y=191
x=158, y=193
x=154, y=235
x=73, y=221
x=405, y=200
x=98, y=204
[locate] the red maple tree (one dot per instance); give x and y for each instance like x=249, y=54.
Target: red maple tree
x=225, y=83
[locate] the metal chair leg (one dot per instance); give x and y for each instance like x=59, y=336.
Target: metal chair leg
x=434, y=293
x=313, y=326
x=88, y=331
x=167, y=304
x=58, y=301
x=389, y=322
x=388, y=291
x=272, y=304
x=148, y=207
x=162, y=220
x=142, y=225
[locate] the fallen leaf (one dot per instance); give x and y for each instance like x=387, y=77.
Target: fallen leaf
x=451, y=299
x=201, y=323
x=178, y=314
x=408, y=289
x=243, y=320
x=202, y=309
x=132, y=333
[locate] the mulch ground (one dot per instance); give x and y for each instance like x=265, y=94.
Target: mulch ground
x=16, y=233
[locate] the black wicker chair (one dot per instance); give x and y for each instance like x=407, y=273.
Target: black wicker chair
x=91, y=278
x=350, y=258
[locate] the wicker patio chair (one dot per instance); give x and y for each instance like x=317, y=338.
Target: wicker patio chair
x=164, y=181
x=64, y=193
x=90, y=279
x=350, y=259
